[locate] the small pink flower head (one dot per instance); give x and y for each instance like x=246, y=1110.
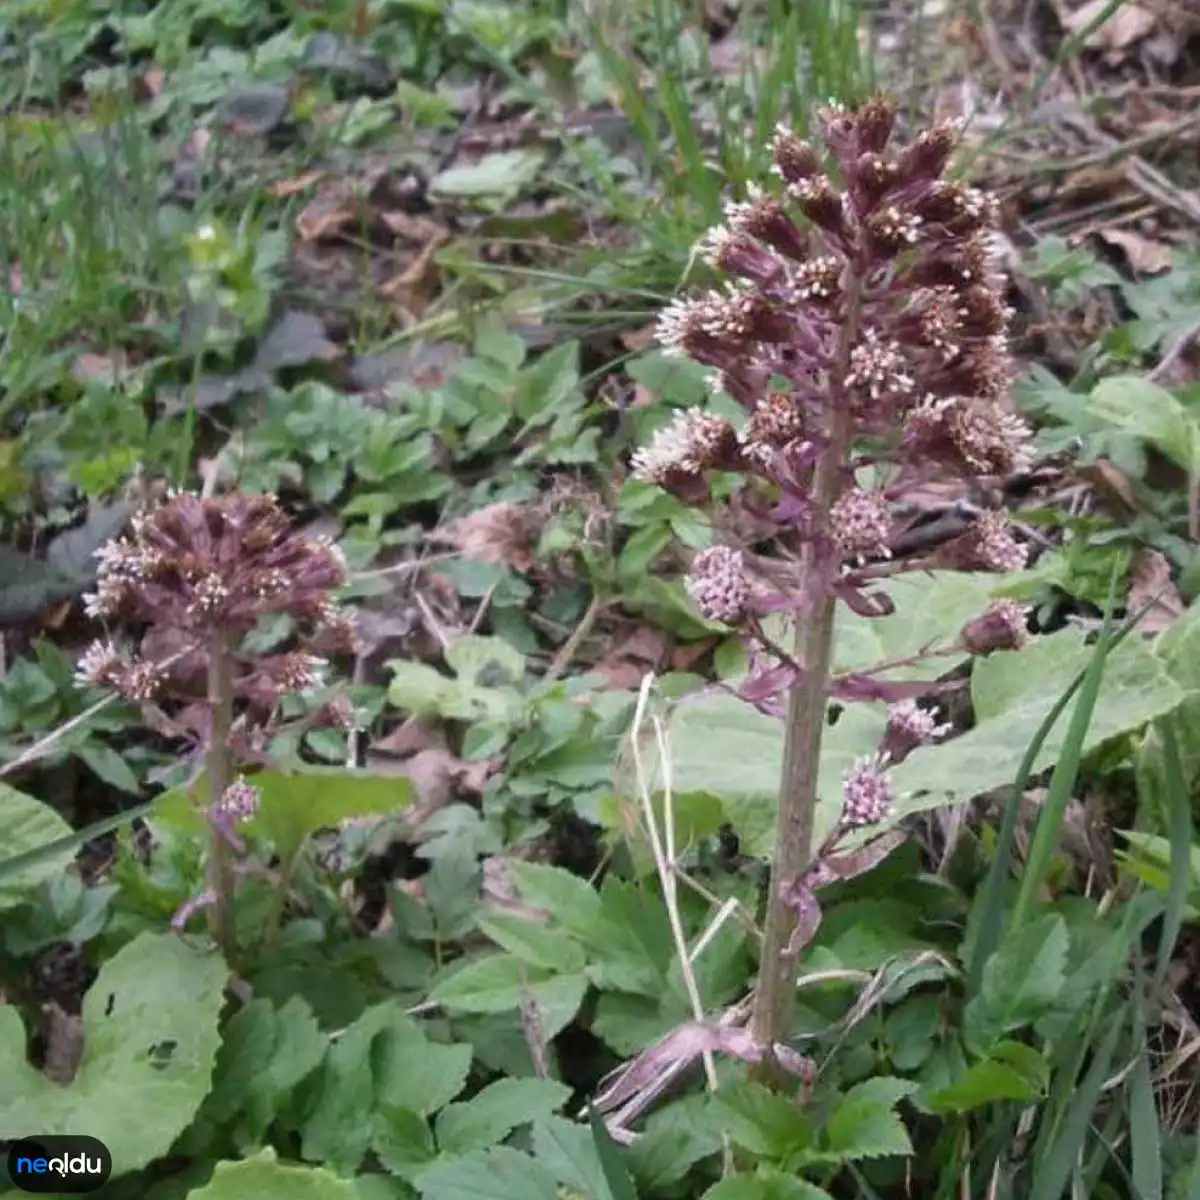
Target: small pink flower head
x=239, y=802
x=995, y=547
x=718, y=584
x=1000, y=627
x=908, y=727
x=867, y=796
x=862, y=525
x=681, y=452
x=915, y=723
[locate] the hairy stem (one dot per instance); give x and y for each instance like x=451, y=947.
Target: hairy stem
x=805, y=724
x=219, y=769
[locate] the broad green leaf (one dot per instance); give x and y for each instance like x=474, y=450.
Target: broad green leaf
x=403, y=1140
x=766, y=1185
x=722, y=748
x=1012, y=693
x=1021, y=981
x=761, y=1121
x=930, y=610
x=497, y=983
x=497, y=176
x=150, y=1041
x=264, y=1177
x=294, y=805
x=533, y=943
x=674, y=1139
x=499, y=1173
x=495, y=1112
x=631, y=940
x=571, y=901
x=987, y=1083
x=865, y=1123
x=264, y=1056
x=1142, y=408
x=337, y=1129
x=567, y=1151
x=28, y=824
x=416, y=1073
x=471, y=656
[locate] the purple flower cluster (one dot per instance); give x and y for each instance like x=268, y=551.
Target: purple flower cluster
x=198, y=574
x=863, y=332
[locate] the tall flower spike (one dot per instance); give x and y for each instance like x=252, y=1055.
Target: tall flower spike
x=869, y=334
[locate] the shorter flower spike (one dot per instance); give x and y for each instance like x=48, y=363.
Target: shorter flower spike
x=867, y=796
x=718, y=584
x=1000, y=627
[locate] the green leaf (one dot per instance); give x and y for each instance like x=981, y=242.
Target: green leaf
x=500, y=1173
x=930, y=610
x=571, y=901
x=567, y=1150
x=723, y=749
x=865, y=1123
x=294, y=805
x=497, y=176
x=382, y=1061
x=28, y=825
x=403, y=1141
x=760, y=1120
x=415, y=1073
x=263, y=1177
x=1012, y=694
x=497, y=982
x=496, y=1111
x=674, y=1139
x=150, y=1042
x=1021, y=981
x=1138, y=406
x=1012, y=1072
x=265, y=1055
x=109, y=766
x=533, y=943
x=766, y=1185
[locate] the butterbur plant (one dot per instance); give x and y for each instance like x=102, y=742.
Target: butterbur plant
x=864, y=335
x=194, y=577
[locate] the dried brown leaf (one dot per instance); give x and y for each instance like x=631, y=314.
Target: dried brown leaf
x=1145, y=255
x=504, y=533
x=1130, y=23
x=1150, y=581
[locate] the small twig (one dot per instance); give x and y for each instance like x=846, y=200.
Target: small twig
x=567, y=651
x=1177, y=349
x=664, y=856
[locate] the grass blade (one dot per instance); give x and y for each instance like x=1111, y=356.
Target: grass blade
x=1145, y=1134
x=29, y=858
x=1062, y=782
x=1179, y=831
x=1051, y=1178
